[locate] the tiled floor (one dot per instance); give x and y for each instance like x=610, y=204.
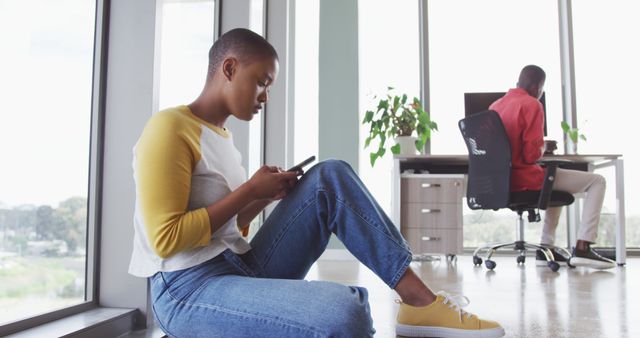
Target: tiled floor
x=528, y=301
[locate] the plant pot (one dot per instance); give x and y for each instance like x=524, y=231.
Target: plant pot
x=407, y=145
x=573, y=147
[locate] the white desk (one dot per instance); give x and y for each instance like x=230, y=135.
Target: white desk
x=458, y=164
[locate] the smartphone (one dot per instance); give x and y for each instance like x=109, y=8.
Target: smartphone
x=299, y=166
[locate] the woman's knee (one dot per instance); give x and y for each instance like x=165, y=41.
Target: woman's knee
x=334, y=165
x=352, y=315
x=331, y=168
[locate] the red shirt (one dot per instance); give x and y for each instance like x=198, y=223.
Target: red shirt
x=523, y=119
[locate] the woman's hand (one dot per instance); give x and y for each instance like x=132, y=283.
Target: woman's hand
x=272, y=183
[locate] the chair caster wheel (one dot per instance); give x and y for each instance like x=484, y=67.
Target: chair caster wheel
x=477, y=261
x=490, y=264
x=553, y=265
x=520, y=259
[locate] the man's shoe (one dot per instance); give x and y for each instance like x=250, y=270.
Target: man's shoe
x=558, y=256
x=444, y=318
x=591, y=259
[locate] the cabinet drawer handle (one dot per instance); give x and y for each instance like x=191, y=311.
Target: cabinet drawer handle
x=431, y=185
x=429, y=211
x=427, y=238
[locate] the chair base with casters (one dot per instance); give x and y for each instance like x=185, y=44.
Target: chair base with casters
x=519, y=245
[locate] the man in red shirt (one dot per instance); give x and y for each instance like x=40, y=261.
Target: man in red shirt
x=523, y=118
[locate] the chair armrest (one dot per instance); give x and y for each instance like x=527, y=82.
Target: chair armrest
x=551, y=166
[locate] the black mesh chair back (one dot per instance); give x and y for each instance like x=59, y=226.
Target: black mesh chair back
x=489, y=175
x=489, y=185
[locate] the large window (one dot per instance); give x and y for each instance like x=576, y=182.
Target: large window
x=46, y=82
x=606, y=71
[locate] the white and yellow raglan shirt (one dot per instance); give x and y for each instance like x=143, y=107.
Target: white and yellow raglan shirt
x=181, y=165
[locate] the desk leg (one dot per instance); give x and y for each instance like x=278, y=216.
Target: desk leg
x=621, y=245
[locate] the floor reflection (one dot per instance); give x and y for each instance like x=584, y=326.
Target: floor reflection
x=529, y=301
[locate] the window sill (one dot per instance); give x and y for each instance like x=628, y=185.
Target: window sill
x=151, y=332
x=98, y=322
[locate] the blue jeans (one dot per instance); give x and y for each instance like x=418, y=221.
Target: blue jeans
x=262, y=292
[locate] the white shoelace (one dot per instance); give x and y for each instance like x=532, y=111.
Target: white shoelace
x=456, y=302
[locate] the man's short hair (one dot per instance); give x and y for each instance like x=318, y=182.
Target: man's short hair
x=531, y=75
x=244, y=44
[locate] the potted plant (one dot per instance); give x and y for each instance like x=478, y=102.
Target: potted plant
x=573, y=134
x=397, y=118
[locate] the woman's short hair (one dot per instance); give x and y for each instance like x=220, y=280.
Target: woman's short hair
x=243, y=44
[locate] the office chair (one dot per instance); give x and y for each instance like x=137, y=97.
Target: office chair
x=489, y=179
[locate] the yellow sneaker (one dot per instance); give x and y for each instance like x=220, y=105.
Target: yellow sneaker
x=444, y=318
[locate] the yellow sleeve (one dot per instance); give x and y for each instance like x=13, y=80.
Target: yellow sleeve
x=166, y=155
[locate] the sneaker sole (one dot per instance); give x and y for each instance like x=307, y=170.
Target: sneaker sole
x=446, y=332
x=544, y=263
x=592, y=263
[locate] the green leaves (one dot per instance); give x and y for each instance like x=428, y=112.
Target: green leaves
x=374, y=156
x=393, y=117
x=572, y=133
x=395, y=149
x=368, y=116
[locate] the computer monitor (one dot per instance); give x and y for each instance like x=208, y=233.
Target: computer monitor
x=477, y=102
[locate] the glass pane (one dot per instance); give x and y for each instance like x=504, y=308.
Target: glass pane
x=606, y=69
x=389, y=56
x=256, y=125
x=45, y=91
x=185, y=38
x=481, y=46
x=488, y=226
x=307, y=35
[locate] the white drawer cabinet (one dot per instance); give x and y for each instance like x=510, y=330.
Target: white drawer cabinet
x=431, y=212
x=432, y=215
x=434, y=241
x=425, y=188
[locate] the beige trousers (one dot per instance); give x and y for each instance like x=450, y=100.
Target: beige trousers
x=574, y=181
